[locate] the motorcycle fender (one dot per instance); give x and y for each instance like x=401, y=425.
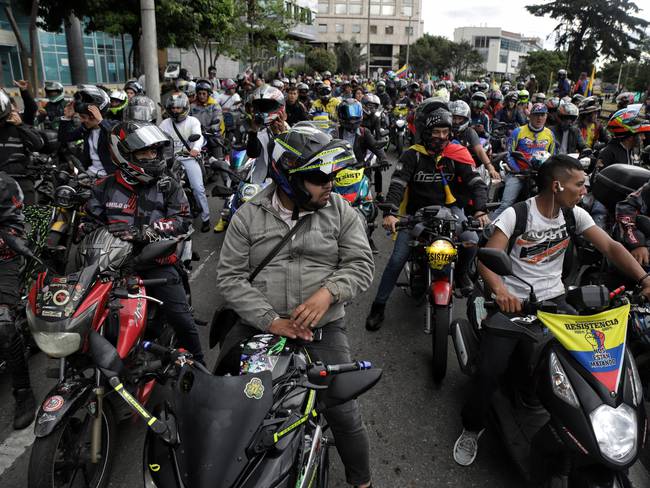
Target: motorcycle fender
x=61, y=399
x=441, y=292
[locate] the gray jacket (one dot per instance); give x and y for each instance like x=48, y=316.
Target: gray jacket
x=331, y=251
x=209, y=115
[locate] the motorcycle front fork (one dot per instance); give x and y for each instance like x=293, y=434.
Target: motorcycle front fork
x=97, y=416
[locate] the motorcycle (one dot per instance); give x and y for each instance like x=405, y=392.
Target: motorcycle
x=75, y=426
x=398, y=127
x=590, y=426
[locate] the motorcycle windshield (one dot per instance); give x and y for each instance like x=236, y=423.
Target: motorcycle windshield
x=597, y=341
x=217, y=417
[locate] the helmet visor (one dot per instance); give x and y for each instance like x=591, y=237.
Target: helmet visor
x=144, y=137
x=139, y=112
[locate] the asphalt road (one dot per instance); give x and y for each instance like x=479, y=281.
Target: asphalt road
x=412, y=425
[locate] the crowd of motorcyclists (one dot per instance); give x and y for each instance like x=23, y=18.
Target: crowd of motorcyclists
x=476, y=148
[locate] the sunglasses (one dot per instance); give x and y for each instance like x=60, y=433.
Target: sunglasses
x=319, y=178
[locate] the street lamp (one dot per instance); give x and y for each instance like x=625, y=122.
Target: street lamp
x=368, y=44
x=408, y=39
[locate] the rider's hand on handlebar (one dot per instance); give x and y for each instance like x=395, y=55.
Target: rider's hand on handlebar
x=507, y=302
x=642, y=255
x=309, y=313
x=288, y=328
x=482, y=217
x=390, y=221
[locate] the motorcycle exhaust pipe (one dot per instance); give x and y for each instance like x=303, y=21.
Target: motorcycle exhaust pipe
x=96, y=433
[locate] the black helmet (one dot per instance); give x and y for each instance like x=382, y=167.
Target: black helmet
x=350, y=114
x=53, y=91
x=134, y=86
x=380, y=87
x=90, y=95
x=521, y=85
x=324, y=92
x=402, y=84
x=5, y=105
x=303, y=87
x=127, y=138
x=415, y=86
x=427, y=117
x=577, y=98
x=307, y=153
x=204, y=84
x=141, y=109
x=178, y=99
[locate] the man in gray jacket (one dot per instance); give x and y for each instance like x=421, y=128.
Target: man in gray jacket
x=301, y=293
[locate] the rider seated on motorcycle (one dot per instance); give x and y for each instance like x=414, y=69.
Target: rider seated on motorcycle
x=479, y=121
x=301, y=293
x=17, y=138
x=429, y=170
x=591, y=129
x=119, y=101
x=140, y=204
x=208, y=111
x=371, y=104
x=467, y=136
x=414, y=93
x=296, y=110
x=325, y=102
x=509, y=113
x=180, y=126
x=303, y=95
x=384, y=97
x=537, y=257
x=626, y=127
x=91, y=104
x=12, y=348
x=567, y=135
x=53, y=111
x=494, y=104
x=527, y=139
x=133, y=88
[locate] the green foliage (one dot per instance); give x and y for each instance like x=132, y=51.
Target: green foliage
x=591, y=28
x=635, y=76
x=463, y=57
x=348, y=55
x=544, y=64
x=436, y=55
x=321, y=60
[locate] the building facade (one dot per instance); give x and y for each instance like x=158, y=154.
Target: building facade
x=502, y=51
x=387, y=25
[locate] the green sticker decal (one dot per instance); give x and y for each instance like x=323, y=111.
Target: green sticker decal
x=254, y=389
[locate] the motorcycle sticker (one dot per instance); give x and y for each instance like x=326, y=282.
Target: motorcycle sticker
x=597, y=342
x=61, y=297
x=51, y=313
x=254, y=389
x=53, y=404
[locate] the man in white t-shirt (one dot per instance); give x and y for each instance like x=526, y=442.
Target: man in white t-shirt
x=537, y=257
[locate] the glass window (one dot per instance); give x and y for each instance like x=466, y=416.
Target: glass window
x=354, y=9
x=323, y=7
x=389, y=30
x=341, y=9
x=339, y=28
x=481, y=41
x=388, y=10
x=374, y=9
x=503, y=58
x=373, y=29
x=407, y=11
x=407, y=2
x=356, y=28
x=408, y=31
x=322, y=28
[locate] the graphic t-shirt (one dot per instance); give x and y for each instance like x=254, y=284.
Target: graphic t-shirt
x=538, y=254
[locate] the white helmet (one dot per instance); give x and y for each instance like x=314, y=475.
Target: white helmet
x=459, y=108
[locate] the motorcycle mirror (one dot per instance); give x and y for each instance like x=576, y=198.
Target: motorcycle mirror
x=154, y=250
x=105, y=355
x=222, y=191
x=496, y=260
x=643, y=224
x=194, y=138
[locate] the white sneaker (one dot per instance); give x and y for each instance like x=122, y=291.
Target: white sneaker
x=466, y=447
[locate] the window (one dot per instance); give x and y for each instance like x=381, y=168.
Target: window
x=388, y=10
x=407, y=11
x=503, y=58
x=341, y=9
x=322, y=28
x=323, y=7
x=408, y=31
x=481, y=41
x=375, y=9
x=389, y=30
x=339, y=28
x=373, y=29
x=354, y=9
x=510, y=45
x=356, y=28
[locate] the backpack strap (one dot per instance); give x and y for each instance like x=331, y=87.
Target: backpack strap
x=570, y=219
x=521, y=221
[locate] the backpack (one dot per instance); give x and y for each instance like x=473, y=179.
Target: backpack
x=521, y=220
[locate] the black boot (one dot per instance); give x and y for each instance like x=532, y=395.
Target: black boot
x=375, y=317
x=25, y=408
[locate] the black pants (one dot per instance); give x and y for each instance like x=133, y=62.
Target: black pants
x=175, y=307
x=350, y=434
x=12, y=348
x=496, y=352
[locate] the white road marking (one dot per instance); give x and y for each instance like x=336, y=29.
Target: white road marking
x=14, y=446
x=197, y=271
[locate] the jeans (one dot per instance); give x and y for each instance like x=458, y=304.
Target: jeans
x=402, y=251
x=511, y=191
x=175, y=307
x=195, y=178
x=348, y=429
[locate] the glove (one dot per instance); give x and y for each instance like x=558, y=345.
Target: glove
x=384, y=165
x=133, y=233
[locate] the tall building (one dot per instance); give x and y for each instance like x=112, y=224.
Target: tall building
x=502, y=51
x=387, y=25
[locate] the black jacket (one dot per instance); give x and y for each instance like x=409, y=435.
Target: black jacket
x=12, y=219
x=17, y=139
x=615, y=153
x=575, y=142
x=53, y=114
x=636, y=203
x=69, y=133
x=364, y=141
x=296, y=112
x=421, y=175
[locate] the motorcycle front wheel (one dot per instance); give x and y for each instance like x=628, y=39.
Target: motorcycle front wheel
x=62, y=459
x=440, y=319
x=324, y=468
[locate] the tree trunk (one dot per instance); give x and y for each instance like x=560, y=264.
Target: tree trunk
x=76, y=54
x=33, y=45
x=198, y=55
x=124, y=59
x=22, y=49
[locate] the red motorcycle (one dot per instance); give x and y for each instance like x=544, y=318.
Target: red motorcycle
x=76, y=425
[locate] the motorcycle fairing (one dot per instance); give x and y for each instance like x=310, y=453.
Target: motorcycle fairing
x=133, y=316
x=67, y=395
x=597, y=341
x=441, y=292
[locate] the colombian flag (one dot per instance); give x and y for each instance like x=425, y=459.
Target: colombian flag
x=597, y=342
x=403, y=71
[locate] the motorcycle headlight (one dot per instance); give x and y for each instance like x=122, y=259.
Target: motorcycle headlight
x=440, y=253
x=560, y=383
x=400, y=123
x=57, y=344
x=616, y=432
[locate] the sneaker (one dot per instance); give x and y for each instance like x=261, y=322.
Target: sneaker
x=205, y=226
x=25, y=408
x=220, y=226
x=466, y=447
x=375, y=317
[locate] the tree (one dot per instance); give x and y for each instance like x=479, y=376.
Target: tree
x=430, y=54
x=544, y=64
x=321, y=60
x=589, y=28
x=463, y=57
x=348, y=55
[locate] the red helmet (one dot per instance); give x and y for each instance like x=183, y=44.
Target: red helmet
x=627, y=122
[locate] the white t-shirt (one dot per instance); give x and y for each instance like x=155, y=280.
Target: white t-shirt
x=538, y=254
x=190, y=125
x=229, y=102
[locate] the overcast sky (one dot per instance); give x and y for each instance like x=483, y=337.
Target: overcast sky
x=440, y=18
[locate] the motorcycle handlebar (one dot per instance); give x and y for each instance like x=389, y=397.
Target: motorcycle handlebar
x=155, y=282
x=319, y=370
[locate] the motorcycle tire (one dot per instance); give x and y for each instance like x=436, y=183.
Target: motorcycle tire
x=324, y=468
x=440, y=317
x=51, y=450
x=399, y=145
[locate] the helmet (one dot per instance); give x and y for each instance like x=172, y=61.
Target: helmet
x=126, y=139
x=142, y=109
x=402, y=84
x=567, y=110
x=532, y=76
x=187, y=87
x=285, y=80
x=380, y=84
x=539, y=108
x=54, y=91
x=277, y=84
x=327, y=74
x=90, y=95
x=306, y=152
x=459, y=108
x=589, y=105
x=227, y=84
x=521, y=85
x=5, y=105
x=539, y=98
x=561, y=74
x=303, y=87
x=370, y=103
x=496, y=96
x=512, y=96
x=292, y=81
x=184, y=74
x=640, y=324
x=523, y=96
x=626, y=122
x=267, y=101
x=415, y=86
x=175, y=100
x=134, y=86
x=475, y=87
x=577, y=98
x=483, y=86
x=625, y=98
x=350, y=113
x=478, y=100
x=423, y=111
x=324, y=92
x=538, y=158
x=118, y=95
x=552, y=104
x=206, y=85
